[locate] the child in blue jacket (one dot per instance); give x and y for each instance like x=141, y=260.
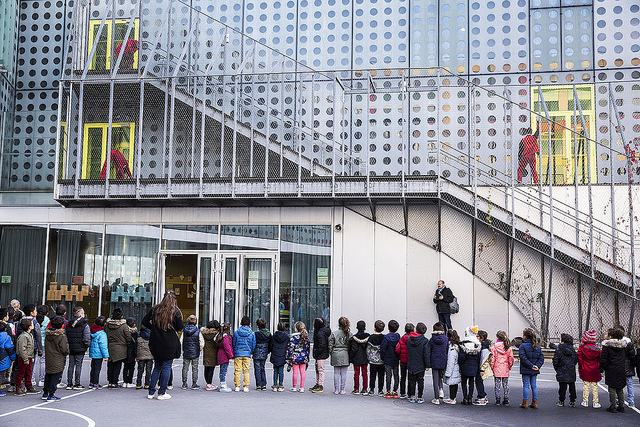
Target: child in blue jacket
x=98, y=351
x=7, y=355
x=244, y=343
x=390, y=358
x=531, y=360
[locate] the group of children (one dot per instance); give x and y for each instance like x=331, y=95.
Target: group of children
x=396, y=364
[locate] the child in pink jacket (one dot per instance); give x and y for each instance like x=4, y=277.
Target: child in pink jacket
x=501, y=364
x=225, y=353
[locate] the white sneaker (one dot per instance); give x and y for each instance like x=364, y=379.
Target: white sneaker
x=165, y=396
x=61, y=385
x=150, y=396
x=585, y=404
x=450, y=401
x=210, y=387
x=245, y=389
x=69, y=387
x=169, y=387
x=597, y=406
x=301, y=390
x=435, y=401
x=40, y=383
x=293, y=389
x=441, y=395
x=236, y=389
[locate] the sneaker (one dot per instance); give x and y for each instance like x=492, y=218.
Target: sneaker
x=195, y=387
x=403, y=396
x=69, y=387
x=99, y=387
x=420, y=400
x=301, y=390
x=313, y=388
x=165, y=396
x=395, y=395
x=435, y=401
x=169, y=387
x=3, y=393
x=184, y=387
x=53, y=398
x=356, y=392
x=336, y=391
x=293, y=389
x=364, y=393
x=611, y=409
x=224, y=390
x=441, y=395
x=146, y=387
x=480, y=402
x=44, y=397
x=245, y=389
x=497, y=403
x=343, y=392
x=280, y=388
x=40, y=383
x=150, y=396
x=210, y=387
x=621, y=409
x=20, y=392
x=237, y=389
x=596, y=406
x=381, y=394
x=572, y=404
x=412, y=399
x=138, y=387
x=318, y=389
x=388, y=395
x=560, y=404
x=505, y=402
x=33, y=390
x=11, y=388
x=81, y=387
x=61, y=385
x=585, y=404
x=274, y=388
x=450, y=401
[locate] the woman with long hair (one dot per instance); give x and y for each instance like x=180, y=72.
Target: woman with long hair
x=531, y=360
x=165, y=321
x=339, y=351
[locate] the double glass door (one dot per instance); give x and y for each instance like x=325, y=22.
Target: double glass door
x=222, y=285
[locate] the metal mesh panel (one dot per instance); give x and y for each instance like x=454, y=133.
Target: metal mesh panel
x=456, y=236
x=423, y=224
x=527, y=294
x=391, y=216
x=491, y=262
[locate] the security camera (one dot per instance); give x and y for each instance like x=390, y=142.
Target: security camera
x=338, y=227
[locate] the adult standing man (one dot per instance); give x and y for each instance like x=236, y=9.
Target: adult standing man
x=442, y=298
x=527, y=154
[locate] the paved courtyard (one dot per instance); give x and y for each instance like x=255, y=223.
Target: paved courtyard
x=129, y=407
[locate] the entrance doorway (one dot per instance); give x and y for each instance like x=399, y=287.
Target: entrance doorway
x=222, y=285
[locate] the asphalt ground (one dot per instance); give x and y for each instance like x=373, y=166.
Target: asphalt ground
x=130, y=407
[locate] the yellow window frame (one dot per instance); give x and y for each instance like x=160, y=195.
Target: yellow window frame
x=108, y=26
x=103, y=146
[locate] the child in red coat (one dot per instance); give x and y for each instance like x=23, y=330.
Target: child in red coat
x=589, y=367
x=403, y=355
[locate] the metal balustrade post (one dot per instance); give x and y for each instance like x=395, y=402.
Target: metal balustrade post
x=612, y=156
x=171, y=134
x=79, y=153
x=505, y=109
x=335, y=128
x=474, y=152
x=539, y=126
x=140, y=139
x=282, y=118
x=368, y=127
x=299, y=116
x=202, y=129
x=253, y=114
x=313, y=119
x=403, y=140
x=107, y=175
x=514, y=157
x=342, y=132
x=575, y=165
x=438, y=166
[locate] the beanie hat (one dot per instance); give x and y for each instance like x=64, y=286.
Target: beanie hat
x=471, y=331
x=589, y=336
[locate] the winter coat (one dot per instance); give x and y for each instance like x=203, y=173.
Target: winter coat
x=36, y=333
x=442, y=305
x=132, y=349
x=339, y=348
x=418, y=353
x=452, y=373
x=43, y=328
x=630, y=361
x=118, y=338
x=99, y=349
x=278, y=345
x=192, y=342
x=501, y=360
x=321, y=343
x=7, y=351
x=438, y=346
x=210, y=350
x=485, y=360
x=388, y=349
x=469, y=357
x=164, y=345
x=143, y=352
x=614, y=353
x=24, y=347
x=261, y=352
x=244, y=342
x=373, y=349
x=589, y=362
x=56, y=348
x=529, y=357
x=298, y=351
x=401, y=349
x=565, y=360
x=358, y=349
x=225, y=349
x=78, y=335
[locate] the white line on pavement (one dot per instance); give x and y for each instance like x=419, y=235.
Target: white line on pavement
x=43, y=403
x=89, y=421
x=632, y=407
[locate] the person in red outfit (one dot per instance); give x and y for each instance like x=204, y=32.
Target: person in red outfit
x=121, y=164
x=527, y=154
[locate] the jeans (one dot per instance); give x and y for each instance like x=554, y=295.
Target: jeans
x=376, y=371
x=356, y=377
x=113, y=371
x=467, y=387
x=630, y=394
x=562, y=392
x=259, y=372
x=320, y=371
x=445, y=319
x=616, y=394
x=161, y=373
x=416, y=378
x=24, y=373
x=529, y=380
x=127, y=373
x=75, y=365
x=302, y=370
x=480, y=386
x=51, y=383
x=391, y=371
x=194, y=371
x=340, y=377
x=96, y=367
x=208, y=374
x=403, y=379
x=278, y=375
x=241, y=369
x=502, y=383
x=144, y=367
x=223, y=372
x=38, y=369
x=437, y=375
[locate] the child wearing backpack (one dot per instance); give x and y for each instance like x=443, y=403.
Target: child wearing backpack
x=210, y=352
x=438, y=346
x=376, y=365
x=192, y=344
x=358, y=357
x=589, y=367
x=565, y=360
x=418, y=361
x=144, y=357
x=298, y=355
x=501, y=363
x=390, y=358
x=401, y=351
x=469, y=361
x=260, y=353
x=278, y=345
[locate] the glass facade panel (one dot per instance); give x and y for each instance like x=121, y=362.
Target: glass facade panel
x=22, y=252
x=257, y=290
x=230, y=286
x=248, y=237
x=189, y=237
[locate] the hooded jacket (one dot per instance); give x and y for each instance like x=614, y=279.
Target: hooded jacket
x=529, y=357
x=438, y=350
x=78, y=335
x=278, y=345
x=225, y=349
x=501, y=360
x=339, y=348
x=210, y=350
x=469, y=357
x=98, y=348
x=192, y=342
x=56, y=347
x=388, y=349
x=630, y=361
x=565, y=359
x=418, y=353
x=612, y=362
x=132, y=348
x=485, y=360
x=401, y=349
x=25, y=347
x=7, y=351
x=164, y=345
x=358, y=349
x=298, y=351
x=244, y=342
x=321, y=342
x=373, y=348
x=143, y=352
x=262, y=344
x=589, y=362
x=452, y=373
x=118, y=338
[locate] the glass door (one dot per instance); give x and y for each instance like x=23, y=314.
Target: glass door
x=204, y=297
x=230, y=278
x=258, y=275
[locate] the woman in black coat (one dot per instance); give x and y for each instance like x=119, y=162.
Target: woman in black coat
x=565, y=360
x=165, y=321
x=612, y=363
